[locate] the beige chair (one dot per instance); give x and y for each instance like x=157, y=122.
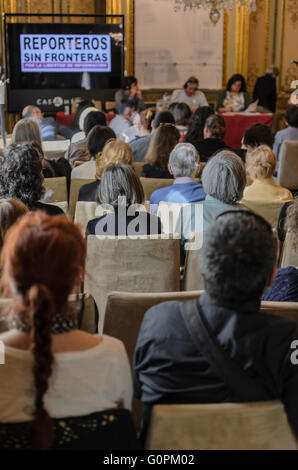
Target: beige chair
x=288, y=166
x=75, y=186
x=151, y=184
x=58, y=186
x=87, y=210
x=228, y=426
x=137, y=166
x=125, y=312
x=269, y=210
x=55, y=148
x=192, y=277
x=133, y=264
x=89, y=315
x=289, y=254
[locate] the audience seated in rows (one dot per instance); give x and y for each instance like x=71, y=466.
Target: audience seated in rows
x=140, y=146
x=50, y=129
x=184, y=164
x=96, y=140
x=182, y=115
x=220, y=348
x=115, y=151
x=235, y=97
x=195, y=132
x=79, y=150
x=121, y=192
x=223, y=181
x=43, y=261
x=157, y=157
x=291, y=131
x=21, y=177
x=10, y=211
x=260, y=165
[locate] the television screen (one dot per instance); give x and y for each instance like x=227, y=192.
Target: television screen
x=68, y=59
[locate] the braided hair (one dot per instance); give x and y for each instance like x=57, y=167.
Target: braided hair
x=42, y=259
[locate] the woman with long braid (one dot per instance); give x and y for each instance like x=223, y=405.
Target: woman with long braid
x=52, y=369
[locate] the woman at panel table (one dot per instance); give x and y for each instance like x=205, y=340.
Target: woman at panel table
x=235, y=97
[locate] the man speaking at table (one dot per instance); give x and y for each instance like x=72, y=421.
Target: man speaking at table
x=190, y=95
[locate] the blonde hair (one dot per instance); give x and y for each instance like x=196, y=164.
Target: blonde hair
x=115, y=151
x=261, y=162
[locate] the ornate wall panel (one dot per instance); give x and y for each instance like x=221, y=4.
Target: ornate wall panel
x=289, y=72
x=258, y=42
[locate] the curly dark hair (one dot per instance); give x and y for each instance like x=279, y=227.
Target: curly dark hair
x=21, y=174
x=237, y=77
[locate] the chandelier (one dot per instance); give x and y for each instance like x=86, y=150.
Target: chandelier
x=214, y=6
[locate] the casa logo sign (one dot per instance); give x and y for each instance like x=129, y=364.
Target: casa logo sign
x=57, y=101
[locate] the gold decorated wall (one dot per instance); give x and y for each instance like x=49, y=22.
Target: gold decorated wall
x=251, y=42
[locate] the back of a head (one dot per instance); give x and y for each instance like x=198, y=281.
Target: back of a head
x=195, y=131
x=10, y=211
x=261, y=162
x=217, y=126
x=115, y=151
x=35, y=242
x=97, y=138
x=28, y=111
x=94, y=118
x=123, y=107
x=258, y=134
x=184, y=160
x=81, y=106
x=292, y=116
x=182, y=114
x=224, y=177
x=163, y=117
x=237, y=257
x=162, y=143
x=272, y=70
x=21, y=173
x=26, y=130
x=120, y=181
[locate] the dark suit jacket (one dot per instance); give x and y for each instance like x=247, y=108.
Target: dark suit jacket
x=265, y=92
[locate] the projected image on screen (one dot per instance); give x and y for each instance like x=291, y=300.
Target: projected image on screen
x=65, y=53
x=50, y=56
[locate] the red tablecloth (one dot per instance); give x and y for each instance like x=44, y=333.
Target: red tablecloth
x=237, y=123
x=64, y=119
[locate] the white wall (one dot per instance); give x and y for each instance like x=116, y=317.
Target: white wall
x=170, y=47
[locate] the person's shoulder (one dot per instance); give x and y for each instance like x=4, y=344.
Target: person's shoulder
x=159, y=193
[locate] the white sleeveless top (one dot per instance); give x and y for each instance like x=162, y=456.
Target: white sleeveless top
x=82, y=382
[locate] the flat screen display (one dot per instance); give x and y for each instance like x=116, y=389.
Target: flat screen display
x=68, y=55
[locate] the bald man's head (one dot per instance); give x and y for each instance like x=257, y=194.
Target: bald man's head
x=31, y=111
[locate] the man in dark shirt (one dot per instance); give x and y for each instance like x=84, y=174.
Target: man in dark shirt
x=265, y=90
x=237, y=263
